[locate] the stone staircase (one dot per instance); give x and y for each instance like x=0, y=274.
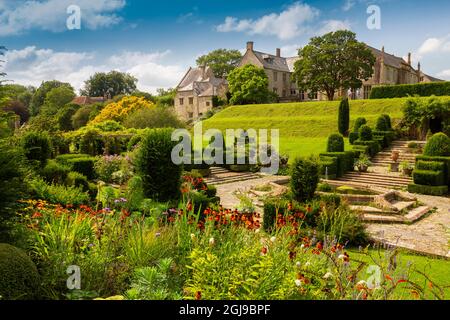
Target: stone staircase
x=383, y=158
x=220, y=176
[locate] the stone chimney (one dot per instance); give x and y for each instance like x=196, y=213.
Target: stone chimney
x=409, y=58
x=418, y=66
x=250, y=45
x=278, y=54
x=203, y=70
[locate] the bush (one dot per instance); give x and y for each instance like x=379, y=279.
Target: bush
x=304, y=178
x=106, y=166
x=329, y=167
x=359, y=122
x=438, y=146
x=372, y=147
x=55, y=172
x=353, y=136
x=428, y=177
x=428, y=190
x=161, y=117
x=20, y=278
x=344, y=117
x=134, y=141
x=365, y=133
x=444, y=160
x=85, y=166
x=37, y=147
x=161, y=177
x=384, y=123
x=335, y=143
x=345, y=161
x=58, y=194
x=75, y=179
x=405, y=90
x=64, y=117
x=430, y=165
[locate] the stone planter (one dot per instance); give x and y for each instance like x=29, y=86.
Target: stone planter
x=363, y=168
x=394, y=167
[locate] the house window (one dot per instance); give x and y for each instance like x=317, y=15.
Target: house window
x=181, y=101
x=367, y=90
x=190, y=115
x=313, y=95
x=275, y=76
x=302, y=95
x=284, y=77
x=191, y=100
x=293, y=92
x=208, y=103
x=275, y=90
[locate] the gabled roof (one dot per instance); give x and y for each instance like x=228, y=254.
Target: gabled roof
x=432, y=79
x=389, y=59
x=202, y=82
x=84, y=100
x=270, y=61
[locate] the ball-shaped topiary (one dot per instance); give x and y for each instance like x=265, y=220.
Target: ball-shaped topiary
x=438, y=146
x=19, y=276
x=359, y=123
x=384, y=123
x=304, y=178
x=335, y=143
x=365, y=133
x=37, y=147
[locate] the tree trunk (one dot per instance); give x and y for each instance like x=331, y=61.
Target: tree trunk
x=330, y=95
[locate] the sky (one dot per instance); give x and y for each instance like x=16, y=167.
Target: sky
x=157, y=41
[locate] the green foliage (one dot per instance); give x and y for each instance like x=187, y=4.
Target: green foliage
x=428, y=177
x=107, y=168
x=365, y=133
x=161, y=177
x=329, y=167
x=304, y=178
x=85, y=166
x=430, y=165
x=428, y=190
x=153, y=118
x=438, y=146
x=85, y=114
x=38, y=99
x=335, y=143
x=37, y=146
x=56, y=99
x=405, y=90
x=58, y=194
x=344, y=117
x=135, y=192
x=444, y=160
x=221, y=61
x=249, y=84
x=77, y=180
x=384, y=123
x=20, y=278
x=64, y=117
x=344, y=162
x=372, y=146
x=359, y=122
x=55, y=172
x=353, y=136
x=333, y=61
x=113, y=83
x=18, y=108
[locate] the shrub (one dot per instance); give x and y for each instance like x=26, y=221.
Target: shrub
x=120, y=110
x=109, y=126
x=428, y=177
x=58, y=194
x=430, y=165
x=438, y=146
x=20, y=278
x=365, y=133
x=85, y=166
x=106, y=166
x=37, y=147
x=304, y=178
x=328, y=167
x=161, y=117
x=345, y=161
x=134, y=141
x=64, y=117
x=445, y=160
x=135, y=192
x=384, y=123
x=405, y=90
x=353, y=136
x=428, y=190
x=55, y=172
x=161, y=177
x=335, y=143
x=75, y=179
x=344, y=117
x=372, y=147
x=359, y=122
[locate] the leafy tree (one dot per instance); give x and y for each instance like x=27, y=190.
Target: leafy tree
x=344, y=117
x=38, y=99
x=20, y=93
x=166, y=97
x=153, y=118
x=221, y=61
x=249, y=84
x=57, y=98
x=120, y=110
x=109, y=84
x=84, y=114
x=64, y=116
x=333, y=61
x=19, y=109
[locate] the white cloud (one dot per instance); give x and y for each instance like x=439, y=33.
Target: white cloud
x=433, y=45
x=348, y=5
x=19, y=16
x=333, y=25
x=285, y=25
x=31, y=66
x=290, y=50
x=445, y=74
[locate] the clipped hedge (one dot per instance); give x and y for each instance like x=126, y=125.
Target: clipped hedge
x=85, y=166
x=430, y=165
x=328, y=167
x=345, y=161
x=304, y=178
x=428, y=177
x=335, y=143
x=373, y=146
x=76, y=179
x=428, y=190
x=438, y=146
x=405, y=90
x=389, y=135
x=445, y=160
x=353, y=136
x=55, y=172
x=365, y=133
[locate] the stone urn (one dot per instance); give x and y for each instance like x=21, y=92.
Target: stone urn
x=395, y=156
x=363, y=167
x=394, y=167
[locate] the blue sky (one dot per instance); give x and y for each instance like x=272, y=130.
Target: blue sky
x=158, y=40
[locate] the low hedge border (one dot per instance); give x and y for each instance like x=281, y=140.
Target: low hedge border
x=445, y=160
x=405, y=90
x=428, y=190
x=428, y=177
x=372, y=145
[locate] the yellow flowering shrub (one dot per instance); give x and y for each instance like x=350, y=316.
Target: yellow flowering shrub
x=120, y=110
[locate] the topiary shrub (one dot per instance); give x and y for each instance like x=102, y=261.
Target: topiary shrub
x=161, y=177
x=438, y=146
x=428, y=190
x=428, y=177
x=384, y=123
x=76, y=179
x=55, y=172
x=365, y=133
x=344, y=117
x=304, y=178
x=85, y=166
x=359, y=123
x=335, y=143
x=19, y=275
x=353, y=136
x=37, y=147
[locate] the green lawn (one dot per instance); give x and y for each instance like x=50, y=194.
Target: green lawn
x=304, y=127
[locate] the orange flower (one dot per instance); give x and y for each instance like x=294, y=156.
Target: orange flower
x=264, y=251
x=37, y=215
x=198, y=295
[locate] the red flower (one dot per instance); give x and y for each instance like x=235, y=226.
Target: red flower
x=198, y=295
x=37, y=215
x=319, y=246
x=264, y=251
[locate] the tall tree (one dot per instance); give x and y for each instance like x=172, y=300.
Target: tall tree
x=109, y=84
x=56, y=99
x=38, y=99
x=344, y=117
x=221, y=61
x=333, y=61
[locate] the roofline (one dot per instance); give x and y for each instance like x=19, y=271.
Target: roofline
x=184, y=77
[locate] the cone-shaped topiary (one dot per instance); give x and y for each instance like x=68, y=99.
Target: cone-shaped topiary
x=344, y=117
x=37, y=147
x=335, y=143
x=304, y=178
x=438, y=146
x=19, y=277
x=365, y=133
x=359, y=123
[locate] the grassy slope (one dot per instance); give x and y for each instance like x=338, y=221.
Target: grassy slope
x=304, y=127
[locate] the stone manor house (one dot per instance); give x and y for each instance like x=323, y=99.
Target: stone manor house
x=197, y=89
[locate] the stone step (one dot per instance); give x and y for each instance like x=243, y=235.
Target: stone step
x=378, y=176
x=371, y=210
x=368, y=184
x=355, y=184
x=382, y=219
x=417, y=213
x=403, y=205
x=225, y=180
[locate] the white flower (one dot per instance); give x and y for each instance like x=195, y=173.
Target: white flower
x=307, y=264
x=273, y=239
x=211, y=241
x=341, y=256
x=257, y=230
x=298, y=264
x=298, y=283
x=192, y=236
x=328, y=275
x=362, y=283
x=302, y=246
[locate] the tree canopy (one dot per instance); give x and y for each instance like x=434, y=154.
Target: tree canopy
x=333, y=61
x=38, y=99
x=221, y=61
x=109, y=84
